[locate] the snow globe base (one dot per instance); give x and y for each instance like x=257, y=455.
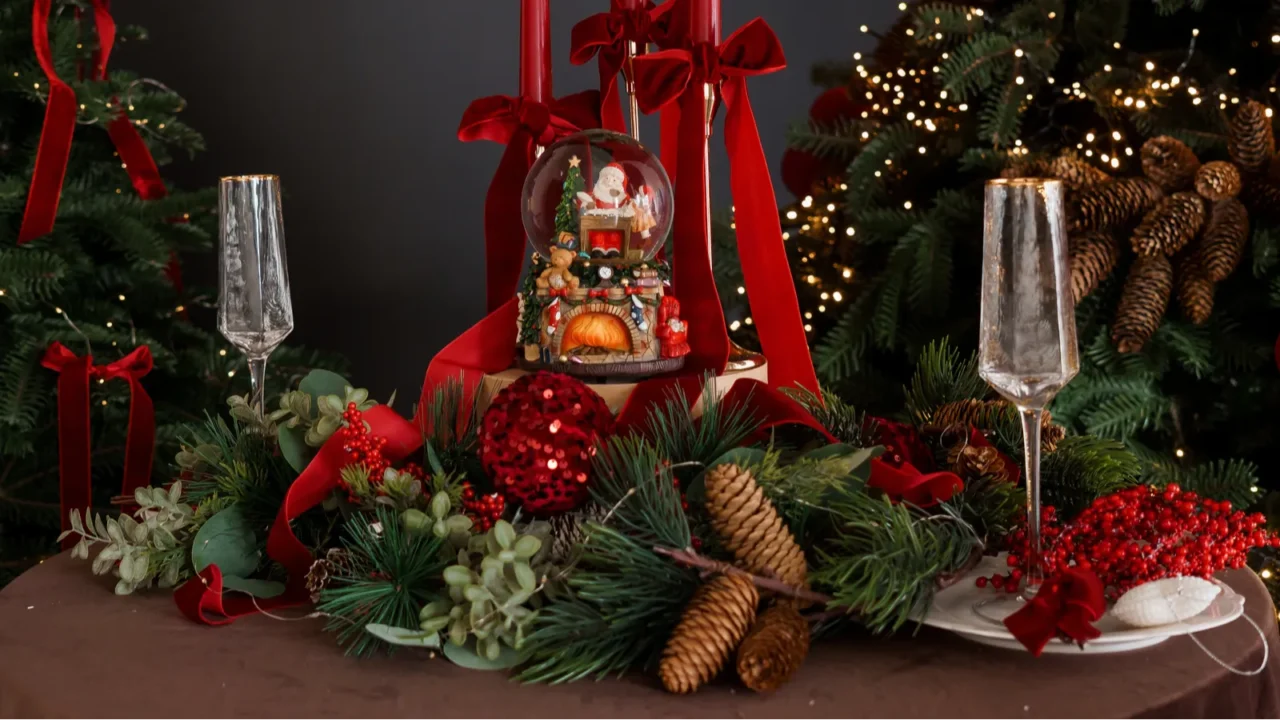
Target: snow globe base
x=605, y=372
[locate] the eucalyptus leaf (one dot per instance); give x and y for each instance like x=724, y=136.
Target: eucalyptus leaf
x=457, y=575
x=696, y=492
x=226, y=540
x=175, y=492
x=466, y=656
x=113, y=531
x=852, y=458
x=504, y=534
x=293, y=446
x=527, y=546
x=257, y=588
x=525, y=576
x=124, y=587
x=75, y=521
x=319, y=383
x=403, y=636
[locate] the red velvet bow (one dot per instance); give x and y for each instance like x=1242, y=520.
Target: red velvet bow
x=1068, y=604
x=59, y=127
x=74, y=457
x=905, y=483
x=662, y=78
x=520, y=124
x=201, y=598
x=605, y=35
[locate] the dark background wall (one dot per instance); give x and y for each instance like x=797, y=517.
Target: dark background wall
x=355, y=104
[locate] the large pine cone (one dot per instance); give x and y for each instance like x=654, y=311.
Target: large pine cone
x=1026, y=168
x=1250, y=140
x=750, y=528
x=1195, y=290
x=1168, y=228
x=1093, y=257
x=1142, y=303
x=1218, y=180
x=1075, y=173
x=1114, y=204
x=714, y=622
x=1169, y=162
x=774, y=649
x=1224, y=239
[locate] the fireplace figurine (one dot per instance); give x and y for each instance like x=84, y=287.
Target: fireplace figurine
x=595, y=302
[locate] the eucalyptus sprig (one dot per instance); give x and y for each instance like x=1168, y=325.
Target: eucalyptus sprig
x=153, y=549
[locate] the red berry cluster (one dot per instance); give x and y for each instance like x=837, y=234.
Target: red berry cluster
x=1145, y=533
x=360, y=446
x=1019, y=546
x=484, y=510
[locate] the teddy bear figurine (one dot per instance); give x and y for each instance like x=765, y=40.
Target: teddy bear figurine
x=558, y=276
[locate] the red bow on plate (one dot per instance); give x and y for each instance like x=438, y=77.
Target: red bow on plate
x=520, y=124
x=1067, y=603
x=74, y=459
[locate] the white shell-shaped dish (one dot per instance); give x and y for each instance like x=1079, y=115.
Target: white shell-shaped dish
x=1164, y=602
x=953, y=610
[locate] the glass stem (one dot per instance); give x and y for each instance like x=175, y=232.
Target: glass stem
x=258, y=376
x=1031, y=418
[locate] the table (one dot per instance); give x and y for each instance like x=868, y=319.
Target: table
x=72, y=648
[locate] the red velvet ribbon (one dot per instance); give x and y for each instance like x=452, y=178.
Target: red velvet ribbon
x=75, y=465
x=605, y=36
x=905, y=483
x=520, y=124
x=1068, y=603
x=677, y=75
x=202, y=599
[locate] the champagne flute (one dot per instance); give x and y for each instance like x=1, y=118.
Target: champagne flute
x=255, y=312
x=1027, y=347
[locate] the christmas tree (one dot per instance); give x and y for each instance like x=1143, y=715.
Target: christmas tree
x=1156, y=116
x=104, y=280
x=567, y=209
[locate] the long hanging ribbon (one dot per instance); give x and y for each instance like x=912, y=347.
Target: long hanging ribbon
x=520, y=124
x=201, y=598
x=677, y=75
x=59, y=127
x=74, y=452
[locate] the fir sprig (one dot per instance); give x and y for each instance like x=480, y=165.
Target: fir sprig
x=390, y=574
x=942, y=377
x=683, y=436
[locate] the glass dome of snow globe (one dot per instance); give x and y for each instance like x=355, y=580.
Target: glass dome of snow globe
x=601, y=194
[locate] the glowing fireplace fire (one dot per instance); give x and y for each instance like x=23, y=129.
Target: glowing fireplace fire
x=595, y=332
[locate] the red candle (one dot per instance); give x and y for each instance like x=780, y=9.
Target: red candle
x=535, y=50
x=704, y=23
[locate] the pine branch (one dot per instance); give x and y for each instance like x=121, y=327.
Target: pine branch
x=633, y=479
x=390, y=574
x=942, y=377
x=1084, y=468
x=681, y=436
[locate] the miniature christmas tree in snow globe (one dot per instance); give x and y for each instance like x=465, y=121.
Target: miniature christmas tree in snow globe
x=597, y=211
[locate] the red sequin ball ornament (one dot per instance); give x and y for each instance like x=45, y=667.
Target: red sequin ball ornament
x=538, y=438
x=484, y=510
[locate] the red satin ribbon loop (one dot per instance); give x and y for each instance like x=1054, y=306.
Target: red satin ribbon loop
x=75, y=468
x=1067, y=603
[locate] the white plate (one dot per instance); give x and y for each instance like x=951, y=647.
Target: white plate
x=953, y=610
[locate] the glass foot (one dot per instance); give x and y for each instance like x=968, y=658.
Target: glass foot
x=998, y=607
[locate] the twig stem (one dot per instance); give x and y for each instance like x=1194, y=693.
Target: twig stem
x=692, y=559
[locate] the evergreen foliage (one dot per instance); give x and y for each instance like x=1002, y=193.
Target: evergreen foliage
x=98, y=282
x=886, y=255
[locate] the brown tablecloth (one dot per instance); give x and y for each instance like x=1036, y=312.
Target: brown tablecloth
x=69, y=647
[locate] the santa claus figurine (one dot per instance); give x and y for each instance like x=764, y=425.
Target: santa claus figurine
x=610, y=198
x=671, y=330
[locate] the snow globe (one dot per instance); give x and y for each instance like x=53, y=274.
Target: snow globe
x=597, y=209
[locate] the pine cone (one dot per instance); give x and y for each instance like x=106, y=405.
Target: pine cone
x=1218, y=180
x=1142, y=303
x=1261, y=196
x=1169, y=162
x=1224, y=239
x=1168, y=228
x=1093, y=257
x=568, y=530
x=969, y=461
x=1113, y=204
x=750, y=528
x=334, y=562
x=987, y=414
x=774, y=649
x=1249, y=140
x=714, y=622
x=1031, y=167
x=1075, y=173
x=1195, y=290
